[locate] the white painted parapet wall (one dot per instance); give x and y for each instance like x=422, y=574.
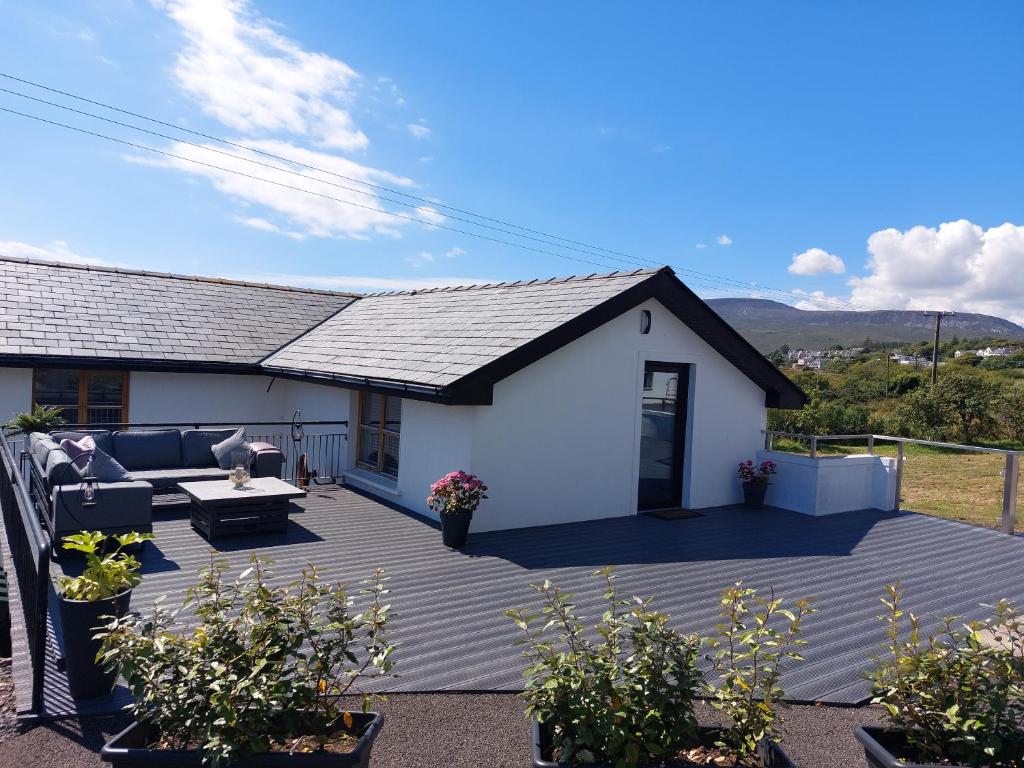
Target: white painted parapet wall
x=827, y=485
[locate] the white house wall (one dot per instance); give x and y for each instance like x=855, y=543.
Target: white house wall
x=15, y=392
x=561, y=441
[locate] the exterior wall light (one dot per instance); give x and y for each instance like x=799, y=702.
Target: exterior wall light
x=645, y=321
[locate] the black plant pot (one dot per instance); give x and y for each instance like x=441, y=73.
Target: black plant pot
x=753, y=495
x=880, y=744
x=769, y=753
x=80, y=620
x=455, y=529
x=131, y=749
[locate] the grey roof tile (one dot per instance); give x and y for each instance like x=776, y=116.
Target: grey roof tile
x=100, y=312
x=435, y=337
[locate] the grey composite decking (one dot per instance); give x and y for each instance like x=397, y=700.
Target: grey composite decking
x=449, y=605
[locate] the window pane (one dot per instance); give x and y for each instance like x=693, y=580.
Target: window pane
x=57, y=387
x=394, y=414
x=369, y=446
x=105, y=388
x=371, y=409
x=390, y=455
x=103, y=415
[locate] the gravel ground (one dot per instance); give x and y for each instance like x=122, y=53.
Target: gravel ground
x=452, y=731
x=8, y=720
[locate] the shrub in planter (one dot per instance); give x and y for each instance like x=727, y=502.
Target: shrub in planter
x=755, y=481
x=41, y=418
x=455, y=498
x=619, y=693
x=956, y=698
x=262, y=679
x=104, y=589
x=748, y=654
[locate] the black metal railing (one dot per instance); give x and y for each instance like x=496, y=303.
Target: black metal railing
x=29, y=549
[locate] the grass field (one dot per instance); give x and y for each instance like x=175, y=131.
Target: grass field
x=958, y=485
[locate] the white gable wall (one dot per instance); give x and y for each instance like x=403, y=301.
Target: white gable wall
x=561, y=441
x=15, y=392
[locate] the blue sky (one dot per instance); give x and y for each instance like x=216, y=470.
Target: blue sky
x=881, y=142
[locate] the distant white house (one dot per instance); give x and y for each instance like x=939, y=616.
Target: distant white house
x=572, y=398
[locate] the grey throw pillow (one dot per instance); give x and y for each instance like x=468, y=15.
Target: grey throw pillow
x=224, y=448
x=106, y=469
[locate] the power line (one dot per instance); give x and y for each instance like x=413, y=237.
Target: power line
x=279, y=169
x=715, y=282
x=304, y=165
x=787, y=294
x=300, y=189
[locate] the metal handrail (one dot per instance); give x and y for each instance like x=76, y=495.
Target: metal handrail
x=29, y=549
x=196, y=424
x=1011, y=472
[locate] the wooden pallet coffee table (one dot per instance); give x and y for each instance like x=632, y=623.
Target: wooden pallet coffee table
x=218, y=509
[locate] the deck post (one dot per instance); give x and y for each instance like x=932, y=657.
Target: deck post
x=871, y=445
x=814, y=446
x=901, y=454
x=1011, y=477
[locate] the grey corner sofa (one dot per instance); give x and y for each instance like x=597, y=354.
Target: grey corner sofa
x=156, y=459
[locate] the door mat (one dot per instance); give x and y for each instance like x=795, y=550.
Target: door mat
x=673, y=514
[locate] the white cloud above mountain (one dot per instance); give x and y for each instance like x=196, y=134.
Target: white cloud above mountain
x=958, y=265
x=816, y=261
x=58, y=250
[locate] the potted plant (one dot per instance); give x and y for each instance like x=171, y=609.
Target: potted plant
x=104, y=589
x=755, y=482
x=252, y=675
x=41, y=418
x=455, y=498
x=952, y=699
x=622, y=693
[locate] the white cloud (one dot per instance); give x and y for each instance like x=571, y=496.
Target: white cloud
x=361, y=282
x=426, y=257
x=311, y=215
x=819, y=300
x=255, y=222
x=815, y=261
x=58, y=250
x=701, y=246
x=418, y=130
x=452, y=253
x=723, y=240
x=251, y=78
x=958, y=265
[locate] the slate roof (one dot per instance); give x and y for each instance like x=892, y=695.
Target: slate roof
x=454, y=344
x=91, y=313
x=436, y=337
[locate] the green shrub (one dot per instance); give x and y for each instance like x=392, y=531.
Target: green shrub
x=266, y=668
x=748, y=653
x=40, y=419
x=107, y=572
x=958, y=695
x=623, y=694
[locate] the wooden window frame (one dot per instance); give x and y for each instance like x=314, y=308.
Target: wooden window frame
x=83, y=391
x=381, y=433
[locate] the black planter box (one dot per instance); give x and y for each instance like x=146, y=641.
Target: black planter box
x=877, y=745
x=771, y=754
x=128, y=750
x=79, y=620
x=455, y=529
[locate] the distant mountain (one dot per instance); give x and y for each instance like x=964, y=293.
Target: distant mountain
x=769, y=324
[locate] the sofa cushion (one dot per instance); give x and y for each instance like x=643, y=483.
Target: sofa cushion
x=60, y=470
x=104, y=437
x=168, y=478
x=120, y=507
x=41, y=444
x=196, y=445
x=79, y=452
x=106, y=468
x=150, y=449
x=225, y=448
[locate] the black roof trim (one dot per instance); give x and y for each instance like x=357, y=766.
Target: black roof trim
x=85, y=362
x=665, y=287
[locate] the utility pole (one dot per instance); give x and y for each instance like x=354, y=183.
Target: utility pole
x=935, y=347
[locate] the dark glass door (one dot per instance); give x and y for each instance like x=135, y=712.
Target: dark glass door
x=662, y=435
